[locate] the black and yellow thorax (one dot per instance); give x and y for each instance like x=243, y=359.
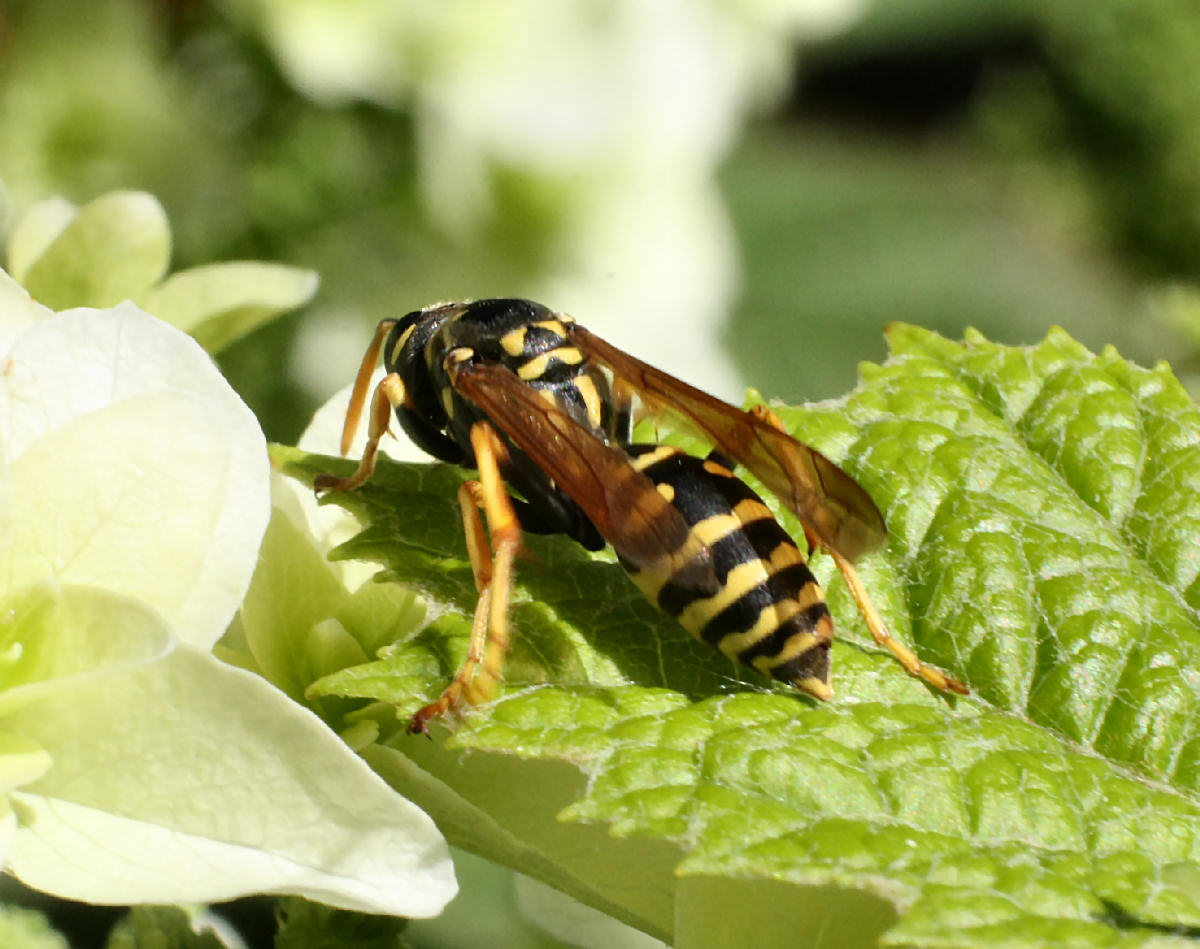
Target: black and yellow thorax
x=530, y=341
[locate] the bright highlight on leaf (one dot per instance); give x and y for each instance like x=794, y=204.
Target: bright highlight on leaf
x=1042, y=508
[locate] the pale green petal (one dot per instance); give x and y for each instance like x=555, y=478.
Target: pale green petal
x=8, y=830
x=210, y=784
x=218, y=303
x=292, y=591
x=36, y=230
x=116, y=248
x=134, y=467
x=49, y=633
x=18, y=311
x=21, y=761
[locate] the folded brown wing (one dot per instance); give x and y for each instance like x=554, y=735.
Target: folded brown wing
x=826, y=499
x=640, y=523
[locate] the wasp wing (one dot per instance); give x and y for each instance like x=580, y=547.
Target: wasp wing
x=642, y=526
x=827, y=500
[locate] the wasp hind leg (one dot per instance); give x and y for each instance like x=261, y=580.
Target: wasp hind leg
x=492, y=566
x=905, y=656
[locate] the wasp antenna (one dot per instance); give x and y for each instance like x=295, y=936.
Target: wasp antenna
x=362, y=384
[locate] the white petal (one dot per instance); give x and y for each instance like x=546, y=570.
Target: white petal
x=36, y=230
x=134, y=467
x=210, y=784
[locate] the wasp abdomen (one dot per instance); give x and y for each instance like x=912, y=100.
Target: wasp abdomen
x=768, y=610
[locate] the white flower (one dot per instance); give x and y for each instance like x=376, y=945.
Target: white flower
x=138, y=767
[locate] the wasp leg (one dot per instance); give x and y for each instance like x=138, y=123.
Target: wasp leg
x=764, y=413
x=388, y=394
x=470, y=500
x=906, y=657
x=493, y=578
x=358, y=394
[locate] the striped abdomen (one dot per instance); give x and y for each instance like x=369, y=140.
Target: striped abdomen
x=769, y=612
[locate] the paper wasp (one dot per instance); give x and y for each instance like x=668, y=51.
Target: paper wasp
x=534, y=401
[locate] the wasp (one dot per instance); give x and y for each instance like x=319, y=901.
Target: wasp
x=543, y=410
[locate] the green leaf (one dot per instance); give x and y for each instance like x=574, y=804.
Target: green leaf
x=161, y=927
x=22, y=928
x=220, y=303
x=115, y=248
x=305, y=925
x=1042, y=504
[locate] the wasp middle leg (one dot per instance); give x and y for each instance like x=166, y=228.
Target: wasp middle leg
x=492, y=566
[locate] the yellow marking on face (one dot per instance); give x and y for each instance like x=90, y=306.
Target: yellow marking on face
x=667, y=491
x=448, y=402
x=535, y=368
x=741, y=580
x=642, y=462
x=718, y=469
x=591, y=399
x=513, y=342
x=554, y=326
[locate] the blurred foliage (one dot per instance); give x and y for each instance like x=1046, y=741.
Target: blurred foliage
x=843, y=233
x=1004, y=165
x=305, y=925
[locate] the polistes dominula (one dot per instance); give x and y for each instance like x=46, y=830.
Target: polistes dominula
x=534, y=401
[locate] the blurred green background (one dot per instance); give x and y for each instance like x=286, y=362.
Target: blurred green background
x=744, y=192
